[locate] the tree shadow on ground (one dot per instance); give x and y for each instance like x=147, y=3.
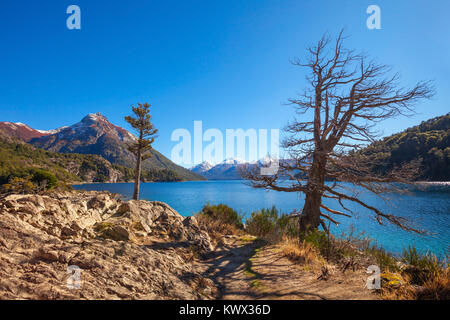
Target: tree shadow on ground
x=226, y=263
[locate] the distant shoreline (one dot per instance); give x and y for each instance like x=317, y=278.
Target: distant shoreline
x=434, y=183
x=443, y=183
x=83, y=183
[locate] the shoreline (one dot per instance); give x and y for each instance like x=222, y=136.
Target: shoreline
x=443, y=183
x=83, y=183
x=234, y=193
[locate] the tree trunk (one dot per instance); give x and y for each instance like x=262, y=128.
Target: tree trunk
x=310, y=217
x=137, y=178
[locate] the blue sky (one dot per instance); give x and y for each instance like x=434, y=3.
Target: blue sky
x=223, y=62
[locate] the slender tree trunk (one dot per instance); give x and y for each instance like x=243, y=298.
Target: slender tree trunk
x=310, y=218
x=137, y=178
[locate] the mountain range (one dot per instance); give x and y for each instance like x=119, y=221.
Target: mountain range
x=21, y=131
x=428, y=143
x=95, y=135
x=229, y=169
x=226, y=170
x=96, y=150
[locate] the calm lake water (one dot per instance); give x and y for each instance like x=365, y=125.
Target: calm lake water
x=429, y=209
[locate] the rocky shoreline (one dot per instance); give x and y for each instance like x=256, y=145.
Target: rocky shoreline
x=115, y=245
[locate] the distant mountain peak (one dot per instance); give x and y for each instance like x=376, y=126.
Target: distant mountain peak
x=19, y=130
x=202, y=167
x=94, y=117
x=206, y=163
x=94, y=134
x=232, y=161
x=228, y=169
x=96, y=124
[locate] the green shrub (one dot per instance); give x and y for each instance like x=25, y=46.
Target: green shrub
x=262, y=222
x=268, y=223
x=425, y=266
x=318, y=239
x=383, y=259
x=288, y=226
x=224, y=214
x=19, y=185
x=44, y=178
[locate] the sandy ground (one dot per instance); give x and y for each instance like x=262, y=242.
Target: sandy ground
x=254, y=270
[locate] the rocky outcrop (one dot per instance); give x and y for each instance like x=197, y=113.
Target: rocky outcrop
x=120, y=250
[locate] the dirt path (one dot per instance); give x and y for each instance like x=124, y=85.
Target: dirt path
x=246, y=269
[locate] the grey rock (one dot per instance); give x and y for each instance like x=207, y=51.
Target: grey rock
x=41, y=236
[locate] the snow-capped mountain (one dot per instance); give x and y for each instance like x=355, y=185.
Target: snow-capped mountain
x=232, y=161
x=24, y=132
x=202, y=167
x=89, y=129
x=229, y=169
x=48, y=132
x=225, y=170
x=19, y=131
x=94, y=134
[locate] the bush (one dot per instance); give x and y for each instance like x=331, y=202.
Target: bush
x=424, y=278
x=19, y=185
x=422, y=267
x=216, y=229
x=44, y=179
x=437, y=288
x=288, y=226
x=318, y=239
x=383, y=259
x=262, y=222
x=269, y=224
x=224, y=214
x=30, y=180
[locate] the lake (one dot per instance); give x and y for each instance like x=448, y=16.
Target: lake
x=429, y=209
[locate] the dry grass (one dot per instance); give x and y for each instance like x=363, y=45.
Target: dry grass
x=401, y=293
x=301, y=252
x=216, y=229
x=423, y=277
x=414, y=276
x=396, y=286
x=435, y=288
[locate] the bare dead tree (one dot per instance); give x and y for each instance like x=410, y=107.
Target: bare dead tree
x=347, y=95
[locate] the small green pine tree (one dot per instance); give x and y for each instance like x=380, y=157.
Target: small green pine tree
x=146, y=134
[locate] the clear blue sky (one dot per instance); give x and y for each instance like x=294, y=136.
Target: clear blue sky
x=223, y=62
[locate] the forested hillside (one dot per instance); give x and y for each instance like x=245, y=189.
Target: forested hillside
x=18, y=159
x=428, y=142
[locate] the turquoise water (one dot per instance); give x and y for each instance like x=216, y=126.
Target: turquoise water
x=429, y=209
